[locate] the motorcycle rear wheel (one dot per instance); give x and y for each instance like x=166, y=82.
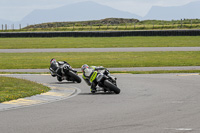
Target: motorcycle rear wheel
x=74, y=76
x=112, y=87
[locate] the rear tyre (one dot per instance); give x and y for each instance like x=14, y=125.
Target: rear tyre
x=74, y=76
x=112, y=87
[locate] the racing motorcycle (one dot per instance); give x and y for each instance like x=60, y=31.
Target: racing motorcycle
x=107, y=82
x=63, y=71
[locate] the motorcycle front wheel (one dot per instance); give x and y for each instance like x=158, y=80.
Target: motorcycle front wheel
x=112, y=87
x=59, y=79
x=74, y=76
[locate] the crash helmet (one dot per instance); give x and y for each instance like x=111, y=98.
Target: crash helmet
x=52, y=61
x=84, y=67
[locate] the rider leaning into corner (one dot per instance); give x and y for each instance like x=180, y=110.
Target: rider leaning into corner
x=89, y=75
x=57, y=68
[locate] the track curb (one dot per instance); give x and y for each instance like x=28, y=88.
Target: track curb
x=55, y=94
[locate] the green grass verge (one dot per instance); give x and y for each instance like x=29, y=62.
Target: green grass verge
x=13, y=88
x=114, y=72
x=107, y=59
x=131, y=26
x=99, y=42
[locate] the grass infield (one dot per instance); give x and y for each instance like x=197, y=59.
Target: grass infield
x=106, y=59
x=99, y=42
x=13, y=88
x=116, y=72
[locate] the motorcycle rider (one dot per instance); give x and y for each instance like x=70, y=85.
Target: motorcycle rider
x=89, y=75
x=56, y=68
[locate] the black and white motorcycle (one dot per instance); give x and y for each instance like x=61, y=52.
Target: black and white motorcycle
x=63, y=71
x=106, y=82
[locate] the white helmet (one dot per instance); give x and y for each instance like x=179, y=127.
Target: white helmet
x=84, y=67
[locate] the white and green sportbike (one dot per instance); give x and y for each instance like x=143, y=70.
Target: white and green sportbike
x=105, y=81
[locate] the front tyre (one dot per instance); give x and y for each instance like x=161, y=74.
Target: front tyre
x=74, y=76
x=59, y=79
x=112, y=87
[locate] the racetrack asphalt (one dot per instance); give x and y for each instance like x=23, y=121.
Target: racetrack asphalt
x=148, y=103
x=126, y=49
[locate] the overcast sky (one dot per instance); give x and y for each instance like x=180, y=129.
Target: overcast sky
x=15, y=10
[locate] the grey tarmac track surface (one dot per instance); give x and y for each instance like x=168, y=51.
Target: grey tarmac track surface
x=148, y=103
x=126, y=49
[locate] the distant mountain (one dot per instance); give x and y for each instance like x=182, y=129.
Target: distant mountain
x=76, y=12
x=191, y=10
x=85, y=11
